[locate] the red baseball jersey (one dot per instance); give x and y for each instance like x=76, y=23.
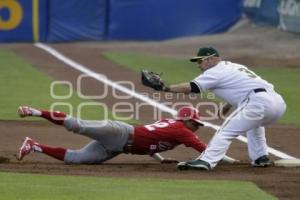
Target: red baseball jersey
x=162, y=136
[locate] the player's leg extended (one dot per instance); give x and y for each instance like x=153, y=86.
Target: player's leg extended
x=55, y=117
x=112, y=134
x=29, y=146
x=92, y=153
x=236, y=124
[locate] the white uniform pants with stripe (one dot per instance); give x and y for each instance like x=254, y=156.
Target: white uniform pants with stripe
x=249, y=118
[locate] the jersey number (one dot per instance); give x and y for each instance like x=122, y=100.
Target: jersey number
x=152, y=127
x=248, y=72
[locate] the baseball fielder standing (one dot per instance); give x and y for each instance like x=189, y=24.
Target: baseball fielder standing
x=256, y=102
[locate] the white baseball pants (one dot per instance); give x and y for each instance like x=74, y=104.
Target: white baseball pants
x=256, y=111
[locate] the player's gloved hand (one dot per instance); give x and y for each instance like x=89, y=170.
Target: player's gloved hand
x=152, y=80
x=168, y=161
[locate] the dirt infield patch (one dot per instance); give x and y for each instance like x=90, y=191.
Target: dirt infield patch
x=4, y=160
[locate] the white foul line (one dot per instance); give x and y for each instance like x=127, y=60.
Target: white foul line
x=143, y=98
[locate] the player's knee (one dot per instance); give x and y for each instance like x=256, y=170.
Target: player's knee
x=73, y=124
x=72, y=157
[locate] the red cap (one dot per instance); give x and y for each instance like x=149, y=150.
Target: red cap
x=188, y=113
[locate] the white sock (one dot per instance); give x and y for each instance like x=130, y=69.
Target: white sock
x=35, y=112
x=36, y=148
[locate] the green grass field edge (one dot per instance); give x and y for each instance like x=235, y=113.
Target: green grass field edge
x=36, y=186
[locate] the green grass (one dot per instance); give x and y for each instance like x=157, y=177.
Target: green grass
x=174, y=70
x=35, y=187
x=285, y=80
x=22, y=84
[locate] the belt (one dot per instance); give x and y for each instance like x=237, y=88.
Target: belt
x=257, y=90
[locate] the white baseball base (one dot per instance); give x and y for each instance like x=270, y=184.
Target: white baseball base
x=287, y=163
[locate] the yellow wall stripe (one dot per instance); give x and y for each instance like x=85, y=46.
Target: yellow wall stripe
x=35, y=20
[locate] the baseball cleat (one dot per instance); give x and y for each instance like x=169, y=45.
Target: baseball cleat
x=194, y=165
x=263, y=161
x=26, y=148
x=24, y=111
x=182, y=166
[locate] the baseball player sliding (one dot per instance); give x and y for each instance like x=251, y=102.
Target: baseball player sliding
x=257, y=104
x=111, y=138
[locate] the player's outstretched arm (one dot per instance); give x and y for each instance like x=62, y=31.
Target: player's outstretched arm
x=178, y=88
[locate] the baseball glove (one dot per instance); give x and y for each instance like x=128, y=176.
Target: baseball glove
x=152, y=80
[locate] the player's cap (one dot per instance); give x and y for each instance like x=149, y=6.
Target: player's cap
x=205, y=52
x=188, y=113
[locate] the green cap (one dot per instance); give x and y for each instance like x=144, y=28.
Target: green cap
x=205, y=52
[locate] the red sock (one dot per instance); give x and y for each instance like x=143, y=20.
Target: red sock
x=55, y=117
x=55, y=152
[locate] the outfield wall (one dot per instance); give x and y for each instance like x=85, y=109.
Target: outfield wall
x=159, y=20
x=75, y=20
x=23, y=20
x=284, y=14
x=71, y=20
